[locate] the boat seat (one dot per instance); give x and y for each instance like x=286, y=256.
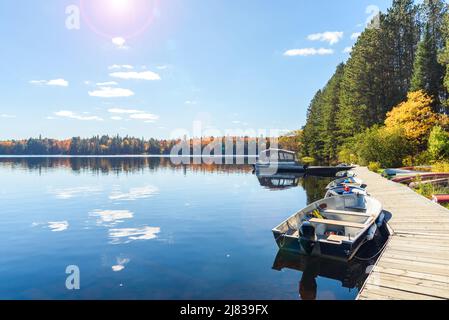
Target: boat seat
x=346, y=213
x=336, y=238
x=338, y=223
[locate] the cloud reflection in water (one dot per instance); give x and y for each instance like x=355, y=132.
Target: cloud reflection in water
x=111, y=217
x=127, y=235
x=58, y=226
x=134, y=194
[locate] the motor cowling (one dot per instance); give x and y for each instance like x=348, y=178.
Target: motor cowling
x=307, y=236
x=307, y=231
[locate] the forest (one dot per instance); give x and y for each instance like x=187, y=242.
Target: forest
x=116, y=145
x=388, y=103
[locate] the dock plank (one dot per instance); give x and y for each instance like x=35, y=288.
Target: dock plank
x=415, y=262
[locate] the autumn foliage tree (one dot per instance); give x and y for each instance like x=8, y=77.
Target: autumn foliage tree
x=414, y=116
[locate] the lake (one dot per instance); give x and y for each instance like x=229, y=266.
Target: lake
x=143, y=228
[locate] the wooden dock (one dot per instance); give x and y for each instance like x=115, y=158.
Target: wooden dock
x=415, y=262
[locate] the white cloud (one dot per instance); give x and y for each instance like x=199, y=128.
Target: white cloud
x=135, y=194
x=120, y=66
x=355, y=35
x=163, y=67
x=127, y=235
x=120, y=264
x=120, y=43
x=7, y=116
x=332, y=37
x=347, y=50
x=308, y=52
x=116, y=118
x=54, y=82
x=124, y=111
x=105, y=84
x=109, y=92
x=73, y=115
x=111, y=217
x=133, y=75
x=148, y=117
x=58, y=226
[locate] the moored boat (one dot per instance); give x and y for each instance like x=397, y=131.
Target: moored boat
x=421, y=177
x=440, y=198
x=326, y=171
x=347, y=181
x=342, y=190
x=273, y=161
x=346, y=174
x=334, y=227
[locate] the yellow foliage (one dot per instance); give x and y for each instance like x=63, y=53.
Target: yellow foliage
x=307, y=160
x=414, y=116
x=440, y=167
x=374, y=166
x=291, y=141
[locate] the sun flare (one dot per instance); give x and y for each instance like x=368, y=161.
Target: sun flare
x=127, y=18
x=120, y=5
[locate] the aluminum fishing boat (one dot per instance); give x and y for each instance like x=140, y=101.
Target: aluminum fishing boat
x=334, y=227
x=346, y=181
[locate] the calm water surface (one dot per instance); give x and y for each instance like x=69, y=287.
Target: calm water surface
x=141, y=228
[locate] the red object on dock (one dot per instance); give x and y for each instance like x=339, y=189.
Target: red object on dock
x=440, y=198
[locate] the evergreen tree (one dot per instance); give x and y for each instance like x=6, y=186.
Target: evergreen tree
x=444, y=56
x=428, y=73
x=331, y=107
x=312, y=146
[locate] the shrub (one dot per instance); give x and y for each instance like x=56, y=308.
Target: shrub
x=374, y=166
x=308, y=160
x=440, y=166
x=347, y=156
x=377, y=144
x=438, y=145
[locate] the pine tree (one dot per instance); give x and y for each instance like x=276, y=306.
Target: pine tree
x=312, y=144
x=444, y=57
x=331, y=107
x=428, y=73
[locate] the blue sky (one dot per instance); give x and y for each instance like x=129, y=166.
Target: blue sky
x=230, y=64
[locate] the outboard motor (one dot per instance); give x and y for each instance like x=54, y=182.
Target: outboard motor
x=307, y=236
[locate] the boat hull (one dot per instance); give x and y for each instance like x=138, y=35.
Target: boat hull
x=262, y=168
x=344, y=251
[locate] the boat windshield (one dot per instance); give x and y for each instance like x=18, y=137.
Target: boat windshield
x=274, y=155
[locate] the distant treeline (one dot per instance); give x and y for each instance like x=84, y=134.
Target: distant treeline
x=116, y=145
x=403, y=51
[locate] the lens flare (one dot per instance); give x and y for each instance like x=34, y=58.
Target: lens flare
x=119, y=18
x=120, y=5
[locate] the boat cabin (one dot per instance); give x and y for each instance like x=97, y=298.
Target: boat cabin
x=277, y=155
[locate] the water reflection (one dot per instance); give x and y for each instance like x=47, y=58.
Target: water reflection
x=279, y=181
x=111, y=217
x=127, y=235
x=351, y=274
x=107, y=165
x=134, y=193
x=58, y=226
x=314, y=185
